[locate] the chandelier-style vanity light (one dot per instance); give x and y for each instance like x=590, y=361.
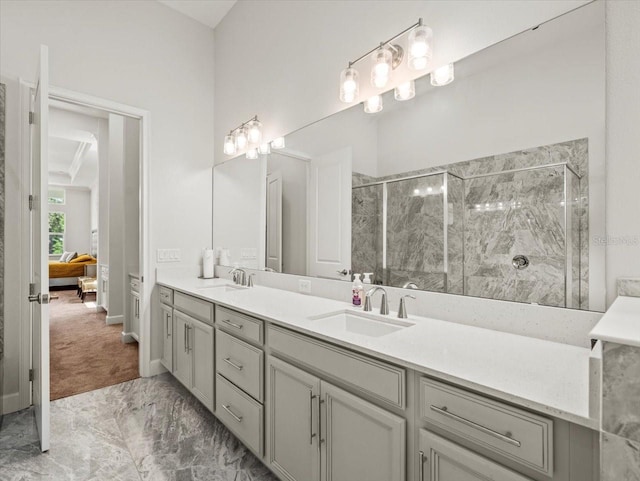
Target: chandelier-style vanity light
x=247, y=134
x=385, y=58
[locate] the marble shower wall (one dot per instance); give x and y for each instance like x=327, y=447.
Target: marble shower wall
x=2, y=143
x=481, y=241
x=366, y=229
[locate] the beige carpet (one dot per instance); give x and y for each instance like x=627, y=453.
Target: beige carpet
x=86, y=353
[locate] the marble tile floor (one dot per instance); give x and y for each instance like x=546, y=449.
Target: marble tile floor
x=149, y=429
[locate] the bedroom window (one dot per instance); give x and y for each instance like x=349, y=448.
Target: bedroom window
x=56, y=196
x=56, y=232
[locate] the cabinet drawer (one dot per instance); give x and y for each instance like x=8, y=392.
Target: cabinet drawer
x=240, y=325
x=511, y=432
x=135, y=284
x=241, y=414
x=383, y=381
x=240, y=363
x=166, y=295
x=193, y=306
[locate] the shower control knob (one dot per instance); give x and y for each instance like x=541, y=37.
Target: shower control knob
x=520, y=262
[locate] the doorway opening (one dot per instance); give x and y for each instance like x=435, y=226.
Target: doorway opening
x=93, y=247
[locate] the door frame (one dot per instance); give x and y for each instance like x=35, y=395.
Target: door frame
x=146, y=367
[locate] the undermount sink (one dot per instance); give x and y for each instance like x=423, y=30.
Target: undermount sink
x=222, y=288
x=361, y=323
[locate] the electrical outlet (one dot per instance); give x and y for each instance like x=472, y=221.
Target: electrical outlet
x=249, y=253
x=304, y=286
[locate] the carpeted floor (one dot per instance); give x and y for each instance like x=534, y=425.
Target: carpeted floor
x=86, y=353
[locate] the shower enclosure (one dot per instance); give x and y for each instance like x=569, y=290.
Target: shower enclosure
x=510, y=235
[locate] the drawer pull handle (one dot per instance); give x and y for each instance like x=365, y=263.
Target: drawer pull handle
x=232, y=324
x=233, y=415
x=233, y=364
x=311, y=433
x=445, y=412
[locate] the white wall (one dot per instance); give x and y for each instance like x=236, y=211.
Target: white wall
x=77, y=210
x=300, y=63
x=139, y=53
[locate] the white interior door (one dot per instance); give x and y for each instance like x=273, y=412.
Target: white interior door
x=39, y=288
x=274, y=221
x=329, y=204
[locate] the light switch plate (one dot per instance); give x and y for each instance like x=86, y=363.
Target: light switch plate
x=168, y=255
x=304, y=286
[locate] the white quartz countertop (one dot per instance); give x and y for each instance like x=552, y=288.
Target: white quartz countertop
x=621, y=322
x=541, y=375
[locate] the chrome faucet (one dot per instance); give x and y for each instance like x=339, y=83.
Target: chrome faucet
x=239, y=276
x=384, y=306
x=410, y=285
x=402, y=310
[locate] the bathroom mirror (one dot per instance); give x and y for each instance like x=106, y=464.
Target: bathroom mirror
x=490, y=186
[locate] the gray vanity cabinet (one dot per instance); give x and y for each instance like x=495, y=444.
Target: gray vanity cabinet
x=194, y=356
x=443, y=460
x=318, y=431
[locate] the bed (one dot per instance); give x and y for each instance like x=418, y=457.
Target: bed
x=67, y=273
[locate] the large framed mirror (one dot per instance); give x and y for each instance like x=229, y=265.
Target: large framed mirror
x=491, y=186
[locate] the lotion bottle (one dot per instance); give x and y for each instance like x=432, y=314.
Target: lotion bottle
x=357, y=291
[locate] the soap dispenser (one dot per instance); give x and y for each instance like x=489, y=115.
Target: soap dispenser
x=367, y=278
x=357, y=291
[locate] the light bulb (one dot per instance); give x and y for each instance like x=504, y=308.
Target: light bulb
x=229, y=145
x=373, y=104
x=241, y=138
x=349, y=87
x=252, y=154
x=381, y=71
x=254, y=132
x=420, y=49
x=277, y=143
x=405, y=91
x=442, y=76
x=264, y=149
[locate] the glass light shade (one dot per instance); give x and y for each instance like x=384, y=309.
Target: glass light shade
x=382, y=66
x=241, y=138
x=254, y=132
x=442, y=76
x=405, y=91
x=277, y=143
x=373, y=104
x=229, y=145
x=420, y=47
x=349, y=85
x=264, y=149
x=252, y=154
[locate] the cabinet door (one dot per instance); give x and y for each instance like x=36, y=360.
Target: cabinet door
x=166, y=317
x=443, y=460
x=360, y=440
x=135, y=313
x=200, y=346
x=182, y=358
x=293, y=423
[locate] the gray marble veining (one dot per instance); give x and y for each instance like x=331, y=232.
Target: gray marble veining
x=2, y=214
x=621, y=390
x=620, y=458
x=629, y=286
x=541, y=213
x=149, y=429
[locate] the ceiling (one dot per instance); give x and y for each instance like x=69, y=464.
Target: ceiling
x=207, y=12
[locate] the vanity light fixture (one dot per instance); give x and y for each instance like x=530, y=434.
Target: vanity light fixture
x=247, y=134
x=277, y=143
x=442, y=76
x=373, y=104
x=252, y=154
x=386, y=57
x=405, y=91
x=264, y=149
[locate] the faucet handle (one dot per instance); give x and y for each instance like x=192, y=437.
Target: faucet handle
x=402, y=310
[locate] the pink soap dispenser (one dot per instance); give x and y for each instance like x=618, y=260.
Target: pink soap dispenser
x=357, y=291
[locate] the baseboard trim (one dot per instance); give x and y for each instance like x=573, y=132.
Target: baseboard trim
x=156, y=367
x=115, y=319
x=128, y=337
x=11, y=403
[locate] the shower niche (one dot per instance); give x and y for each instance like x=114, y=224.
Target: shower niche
x=507, y=227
